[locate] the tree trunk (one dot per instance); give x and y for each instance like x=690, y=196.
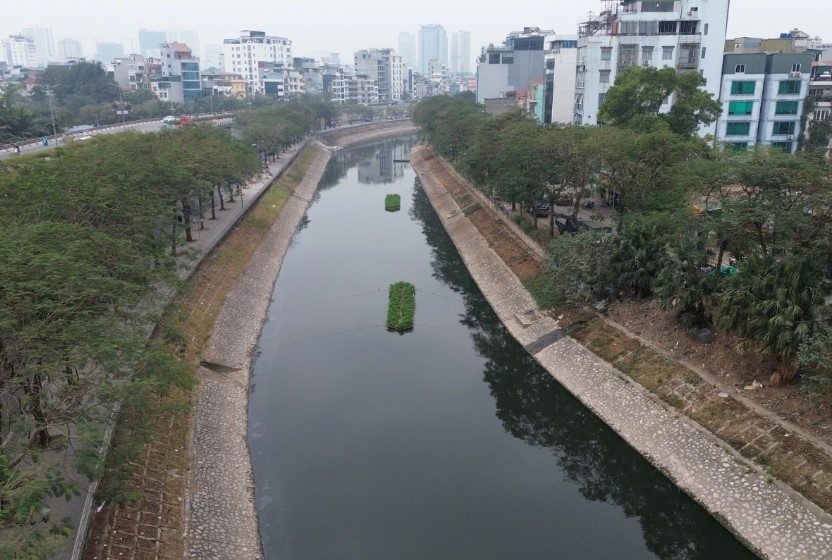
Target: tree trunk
x=722, y=246
x=213, y=205
x=186, y=220
x=222, y=200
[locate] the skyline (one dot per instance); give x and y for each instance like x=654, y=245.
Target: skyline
x=347, y=28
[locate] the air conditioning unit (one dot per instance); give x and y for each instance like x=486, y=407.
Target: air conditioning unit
x=794, y=74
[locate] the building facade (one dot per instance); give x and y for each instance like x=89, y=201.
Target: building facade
x=407, y=48
x=129, y=73
x=242, y=55
x=69, y=49
x=512, y=66
x=460, y=62
x=433, y=45
x=762, y=98
x=561, y=58
x=45, y=51
x=384, y=66
x=180, y=77
x=20, y=51
x=149, y=42
x=688, y=35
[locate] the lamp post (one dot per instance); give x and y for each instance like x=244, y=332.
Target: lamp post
x=49, y=92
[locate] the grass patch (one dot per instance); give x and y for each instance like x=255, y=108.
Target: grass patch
x=392, y=202
x=401, y=307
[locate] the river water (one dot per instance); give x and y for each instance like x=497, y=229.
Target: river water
x=447, y=442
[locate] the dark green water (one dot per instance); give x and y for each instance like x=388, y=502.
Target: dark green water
x=448, y=442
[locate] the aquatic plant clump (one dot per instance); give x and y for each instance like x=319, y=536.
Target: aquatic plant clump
x=401, y=307
x=392, y=202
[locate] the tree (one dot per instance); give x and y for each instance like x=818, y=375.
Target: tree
x=636, y=99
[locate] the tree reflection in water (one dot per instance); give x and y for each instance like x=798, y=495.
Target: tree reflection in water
x=534, y=408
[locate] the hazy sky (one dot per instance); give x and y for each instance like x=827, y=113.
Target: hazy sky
x=345, y=26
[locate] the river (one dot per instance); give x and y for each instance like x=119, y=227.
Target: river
x=447, y=442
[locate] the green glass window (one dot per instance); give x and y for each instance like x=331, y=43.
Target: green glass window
x=738, y=129
x=783, y=127
x=785, y=146
x=740, y=107
x=786, y=108
x=742, y=88
x=789, y=87
x=739, y=146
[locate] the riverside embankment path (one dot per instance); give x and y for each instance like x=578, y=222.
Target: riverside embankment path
x=770, y=518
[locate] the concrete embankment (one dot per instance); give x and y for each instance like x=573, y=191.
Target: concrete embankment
x=771, y=519
x=221, y=518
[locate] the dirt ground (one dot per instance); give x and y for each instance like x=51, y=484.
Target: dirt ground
x=727, y=363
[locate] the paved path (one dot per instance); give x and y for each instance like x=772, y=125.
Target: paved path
x=771, y=519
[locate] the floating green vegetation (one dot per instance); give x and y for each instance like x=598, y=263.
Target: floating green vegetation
x=392, y=202
x=402, y=306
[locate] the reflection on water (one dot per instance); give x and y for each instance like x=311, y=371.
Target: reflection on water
x=376, y=162
x=372, y=446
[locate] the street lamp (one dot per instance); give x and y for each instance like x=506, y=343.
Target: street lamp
x=49, y=93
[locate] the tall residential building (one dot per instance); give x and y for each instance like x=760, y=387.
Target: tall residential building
x=688, y=35
x=70, y=49
x=513, y=66
x=44, y=45
x=20, y=51
x=433, y=45
x=561, y=56
x=385, y=67
x=180, y=80
x=242, y=55
x=190, y=38
x=461, y=52
x=407, y=48
x=213, y=56
x=150, y=41
x=107, y=52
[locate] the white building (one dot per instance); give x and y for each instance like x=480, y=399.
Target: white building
x=20, y=51
x=44, y=45
x=242, y=55
x=561, y=57
x=69, y=49
x=461, y=52
x=433, y=45
x=129, y=72
x=688, y=35
x=383, y=66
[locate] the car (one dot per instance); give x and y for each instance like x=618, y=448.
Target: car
x=541, y=208
x=566, y=225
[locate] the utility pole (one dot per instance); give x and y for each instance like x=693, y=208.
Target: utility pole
x=49, y=93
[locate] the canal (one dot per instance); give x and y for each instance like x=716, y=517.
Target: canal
x=447, y=442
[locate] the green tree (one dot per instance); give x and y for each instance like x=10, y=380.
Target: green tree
x=636, y=99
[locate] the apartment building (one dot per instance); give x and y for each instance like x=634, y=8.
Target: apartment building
x=512, y=66
x=129, y=72
x=560, y=56
x=688, y=35
x=383, y=66
x=242, y=55
x=20, y=51
x=180, y=78
x=762, y=96
x=433, y=45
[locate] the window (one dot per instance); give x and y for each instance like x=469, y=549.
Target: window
x=789, y=87
x=740, y=107
x=494, y=58
x=646, y=54
x=739, y=146
x=786, y=108
x=604, y=77
x=739, y=69
x=606, y=53
x=667, y=28
x=627, y=56
x=667, y=53
x=601, y=97
x=508, y=59
x=796, y=67
x=737, y=129
x=742, y=88
x=706, y=29
x=783, y=127
x=785, y=146
x=703, y=52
